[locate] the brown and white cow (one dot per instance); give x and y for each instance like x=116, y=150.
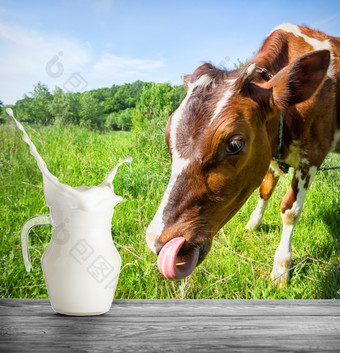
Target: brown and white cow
x=225, y=140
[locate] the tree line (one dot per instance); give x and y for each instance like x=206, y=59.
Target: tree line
x=115, y=108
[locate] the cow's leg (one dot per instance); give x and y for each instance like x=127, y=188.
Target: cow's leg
x=291, y=208
x=266, y=189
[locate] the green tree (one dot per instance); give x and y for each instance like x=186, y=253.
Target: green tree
x=91, y=112
x=111, y=121
x=119, y=107
x=154, y=101
x=125, y=119
x=179, y=93
x=23, y=109
x=120, y=120
x=125, y=96
x=39, y=105
x=102, y=93
x=151, y=114
x=64, y=107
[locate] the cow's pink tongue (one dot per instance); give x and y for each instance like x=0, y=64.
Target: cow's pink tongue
x=172, y=266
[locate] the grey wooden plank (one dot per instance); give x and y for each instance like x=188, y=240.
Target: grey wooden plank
x=188, y=307
x=198, y=344
x=174, y=325
x=180, y=329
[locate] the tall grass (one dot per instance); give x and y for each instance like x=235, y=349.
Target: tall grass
x=237, y=267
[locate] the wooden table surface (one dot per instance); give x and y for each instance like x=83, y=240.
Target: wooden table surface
x=30, y=325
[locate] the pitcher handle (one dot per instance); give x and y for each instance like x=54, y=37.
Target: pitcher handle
x=25, y=230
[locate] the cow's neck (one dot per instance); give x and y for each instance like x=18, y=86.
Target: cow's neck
x=276, y=136
x=268, y=66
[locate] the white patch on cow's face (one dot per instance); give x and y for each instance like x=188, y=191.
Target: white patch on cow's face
x=229, y=92
x=157, y=225
x=315, y=43
x=179, y=164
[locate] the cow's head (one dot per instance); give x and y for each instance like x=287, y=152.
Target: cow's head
x=221, y=140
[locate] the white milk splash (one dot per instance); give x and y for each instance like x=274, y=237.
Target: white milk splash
x=81, y=263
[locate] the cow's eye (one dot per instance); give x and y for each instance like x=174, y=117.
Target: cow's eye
x=234, y=145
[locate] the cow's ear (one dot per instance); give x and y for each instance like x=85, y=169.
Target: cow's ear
x=300, y=79
x=186, y=81
x=242, y=82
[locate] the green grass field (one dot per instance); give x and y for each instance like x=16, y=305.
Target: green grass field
x=239, y=264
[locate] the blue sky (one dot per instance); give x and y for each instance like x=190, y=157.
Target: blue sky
x=80, y=45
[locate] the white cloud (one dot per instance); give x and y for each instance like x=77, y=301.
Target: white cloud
x=114, y=65
x=28, y=56
x=24, y=59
